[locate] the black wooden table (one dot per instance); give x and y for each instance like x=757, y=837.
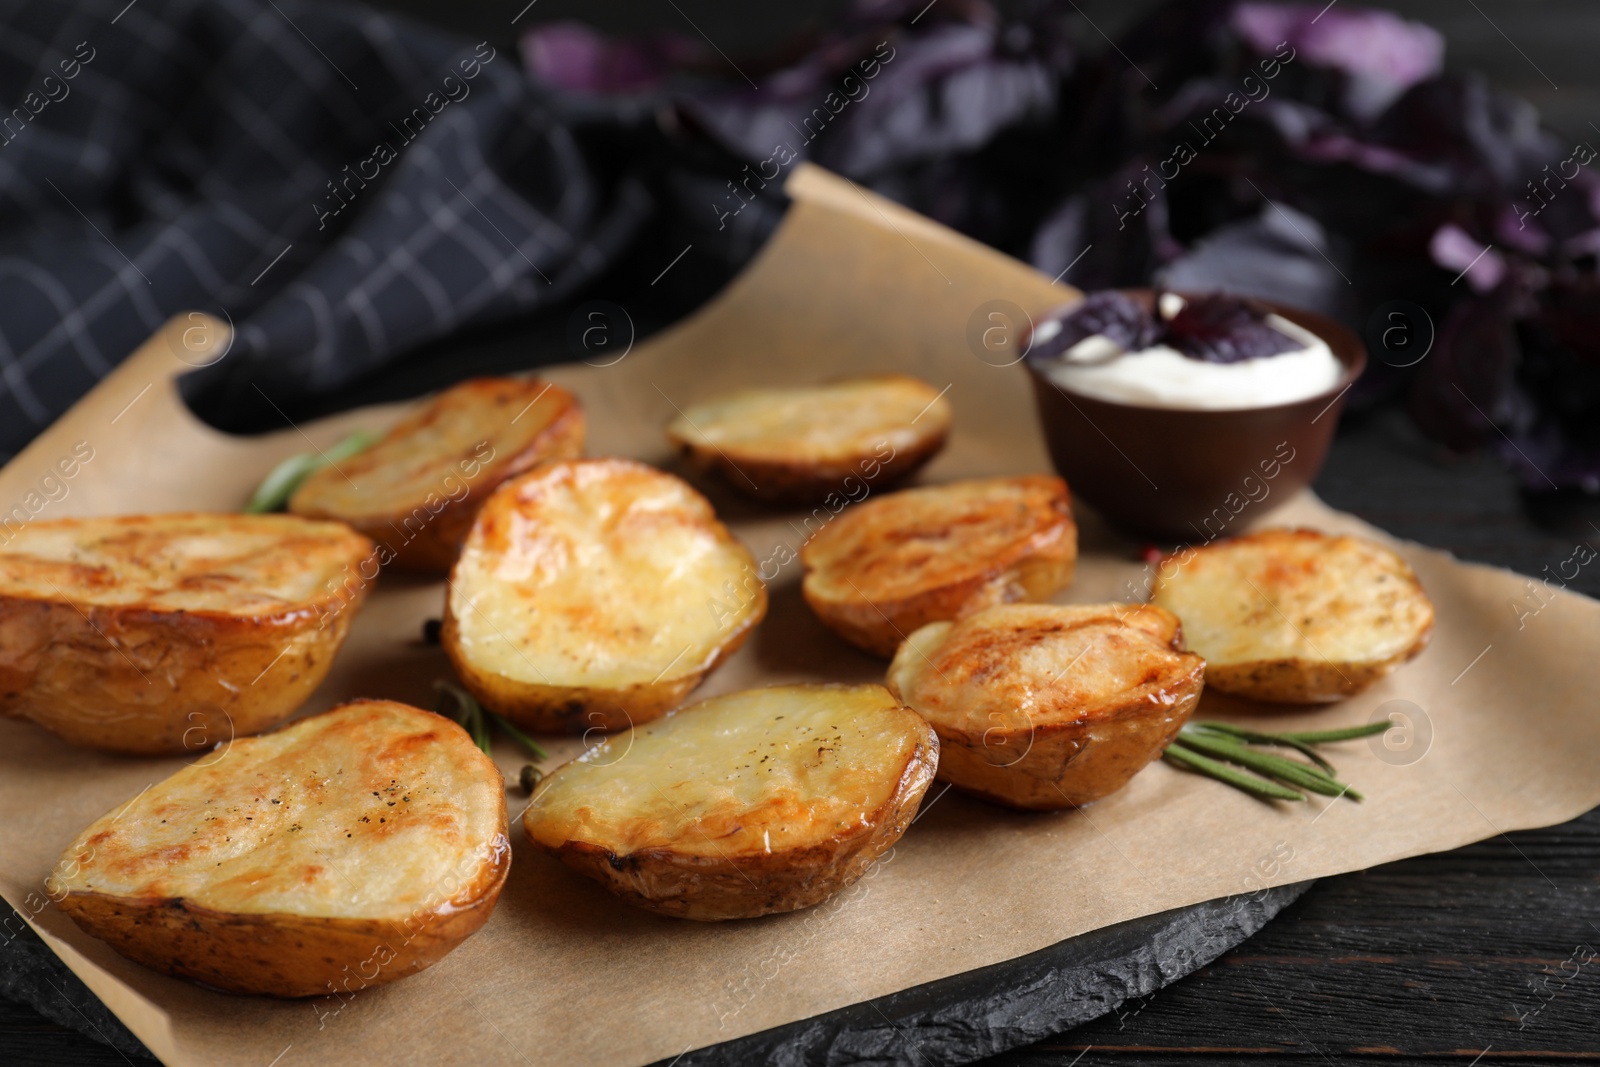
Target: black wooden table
x=1473, y=956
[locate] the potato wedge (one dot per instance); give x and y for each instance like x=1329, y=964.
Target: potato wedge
x=799, y=444
x=1043, y=707
x=1296, y=616
x=416, y=491
x=895, y=563
x=170, y=633
x=345, y=851
x=742, y=805
x=596, y=594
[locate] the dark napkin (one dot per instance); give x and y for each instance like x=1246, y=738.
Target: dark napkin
x=342, y=185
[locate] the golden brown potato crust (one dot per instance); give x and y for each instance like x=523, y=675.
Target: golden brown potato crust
x=416, y=491
x=281, y=955
x=596, y=594
x=743, y=805
x=171, y=633
x=895, y=563
x=1296, y=616
x=797, y=445
x=1042, y=707
x=346, y=851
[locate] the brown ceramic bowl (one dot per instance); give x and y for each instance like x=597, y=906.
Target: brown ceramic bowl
x=1187, y=475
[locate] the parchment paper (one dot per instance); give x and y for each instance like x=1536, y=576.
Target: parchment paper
x=563, y=973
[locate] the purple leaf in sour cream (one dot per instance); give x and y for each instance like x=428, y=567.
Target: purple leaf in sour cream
x=1219, y=328
x=1110, y=314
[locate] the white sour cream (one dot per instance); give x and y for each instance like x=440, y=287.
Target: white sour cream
x=1162, y=377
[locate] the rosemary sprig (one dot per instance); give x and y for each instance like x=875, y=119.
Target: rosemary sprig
x=1210, y=748
x=281, y=482
x=458, y=704
x=1349, y=733
x=534, y=748
x=1223, y=773
x=1288, y=771
x=1259, y=738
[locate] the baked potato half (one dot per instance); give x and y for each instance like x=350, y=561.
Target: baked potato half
x=798, y=444
x=596, y=594
x=170, y=633
x=345, y=851
x=416, y=491
x=758, y=802
x=895, y=563
x=1042, y=707
x=1296, y=616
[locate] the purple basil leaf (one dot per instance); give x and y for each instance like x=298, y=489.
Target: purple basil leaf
x=1108, y=313
x=802, y=109
x=879, y=12
x=957, y=193
x=1280, y=255
x=947, y=90
x=1467, y=257
x=1569, y=313
x=1223, y=328
x=1491, y=142
x=1106, y=236
x=1380, y=54
x=1333, y=146
x=1179, y=40
x=1553, y=437
x=1546, y=460
x=1558, y=445
x=895, y=96
x=1563, y=203
x=1353, y=39
x=753, y=124
x=1465, y=392
x=576, y=58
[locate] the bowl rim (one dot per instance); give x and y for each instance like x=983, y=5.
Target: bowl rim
x=1346, y=344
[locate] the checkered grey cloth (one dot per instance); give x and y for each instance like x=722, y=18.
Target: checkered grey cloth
x=342, y=185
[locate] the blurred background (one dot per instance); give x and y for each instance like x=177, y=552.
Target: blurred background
x=1420, y=161
x=1561, y=33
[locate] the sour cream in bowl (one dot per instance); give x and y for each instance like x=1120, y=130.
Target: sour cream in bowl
x=1183, y=415
x=1164, y=376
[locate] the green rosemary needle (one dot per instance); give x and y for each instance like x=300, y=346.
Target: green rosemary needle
x=1258, y=738
x=467, y=711
x=281, y=482
x=479, y=728
x=1223, y=773
x=534, y=748
x=1322, y=737
x=1265, y=763
x=477, y=720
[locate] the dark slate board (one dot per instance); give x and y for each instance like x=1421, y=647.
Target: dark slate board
x=32, y=974
x=952, y=1021
x=992, y=1009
